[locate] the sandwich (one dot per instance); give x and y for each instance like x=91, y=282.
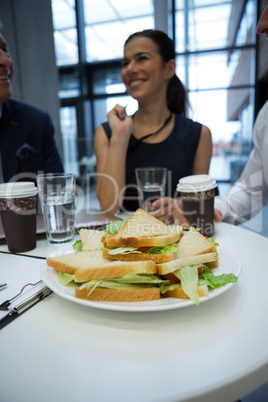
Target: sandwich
x=97, y=276
x=190, y=272
x=100, y=279
x=142, y=238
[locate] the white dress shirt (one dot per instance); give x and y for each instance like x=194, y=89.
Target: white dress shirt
x=248, y=195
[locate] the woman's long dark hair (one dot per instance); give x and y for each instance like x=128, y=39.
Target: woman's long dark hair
x=177, y=98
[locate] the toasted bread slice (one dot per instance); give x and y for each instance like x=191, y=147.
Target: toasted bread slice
x=179, y=263
x=143, y=230
x=87, y=265
x=118, y=295
x=91, y=239
x=157, y=258
x=193, y=243
x=213, y=264
x=104, y=239
x=178, y=293
x=71, y=263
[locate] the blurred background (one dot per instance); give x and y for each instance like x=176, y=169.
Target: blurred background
x=68, y=53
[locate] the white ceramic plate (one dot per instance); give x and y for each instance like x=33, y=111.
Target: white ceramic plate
x=227, y=264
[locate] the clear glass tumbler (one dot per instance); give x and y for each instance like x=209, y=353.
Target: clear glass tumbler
x=57, y=196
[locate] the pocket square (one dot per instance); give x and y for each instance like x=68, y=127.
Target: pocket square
x=25, y=151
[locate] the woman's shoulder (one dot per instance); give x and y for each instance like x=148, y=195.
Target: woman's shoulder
x=103, y=130
x=185, y=124
x=107, y=129
x=186, y=120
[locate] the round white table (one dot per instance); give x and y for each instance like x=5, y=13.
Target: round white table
x=62, y=351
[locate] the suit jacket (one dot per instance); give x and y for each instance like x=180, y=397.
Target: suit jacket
x=27, y=142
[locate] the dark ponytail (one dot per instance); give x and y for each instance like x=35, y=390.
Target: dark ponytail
x=177, y=98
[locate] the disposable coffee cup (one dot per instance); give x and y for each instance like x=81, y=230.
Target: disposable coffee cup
x=197, y=193
x=18, y=212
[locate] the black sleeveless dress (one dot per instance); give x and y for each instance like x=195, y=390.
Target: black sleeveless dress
x=176, y=153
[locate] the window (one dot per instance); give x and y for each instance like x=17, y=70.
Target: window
x=215, y=45
x=69, y=136
x=69, y=85
x=202, y=24
x=65, y=32
x=216, y=57
x=109, y=23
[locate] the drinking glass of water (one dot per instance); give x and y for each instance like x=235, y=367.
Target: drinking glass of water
x=151, y=182
x=57, y=195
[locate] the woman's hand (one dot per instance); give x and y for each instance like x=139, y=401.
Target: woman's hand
x=217, y=215
x=169, y=210
x=121, y=124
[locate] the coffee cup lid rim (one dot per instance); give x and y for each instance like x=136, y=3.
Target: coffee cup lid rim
x=18, y=189
x=199, y=182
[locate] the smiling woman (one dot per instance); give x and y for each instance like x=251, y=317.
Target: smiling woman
x=159, y=134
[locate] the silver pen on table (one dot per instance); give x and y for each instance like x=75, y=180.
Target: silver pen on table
x=24, y=305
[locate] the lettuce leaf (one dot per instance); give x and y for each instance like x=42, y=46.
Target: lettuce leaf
x=141, y=278
x=129, y=281
x=111, y=284
x=65, y=279
x=211, y=239
x=164, y=287
x=214, y=281
x=189, y=282
x=215, y=245
x=171, y=248
x=124, y=250
x=77, y=246
x=114, y=227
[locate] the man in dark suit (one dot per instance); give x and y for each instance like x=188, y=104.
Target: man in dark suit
x=27, y=144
